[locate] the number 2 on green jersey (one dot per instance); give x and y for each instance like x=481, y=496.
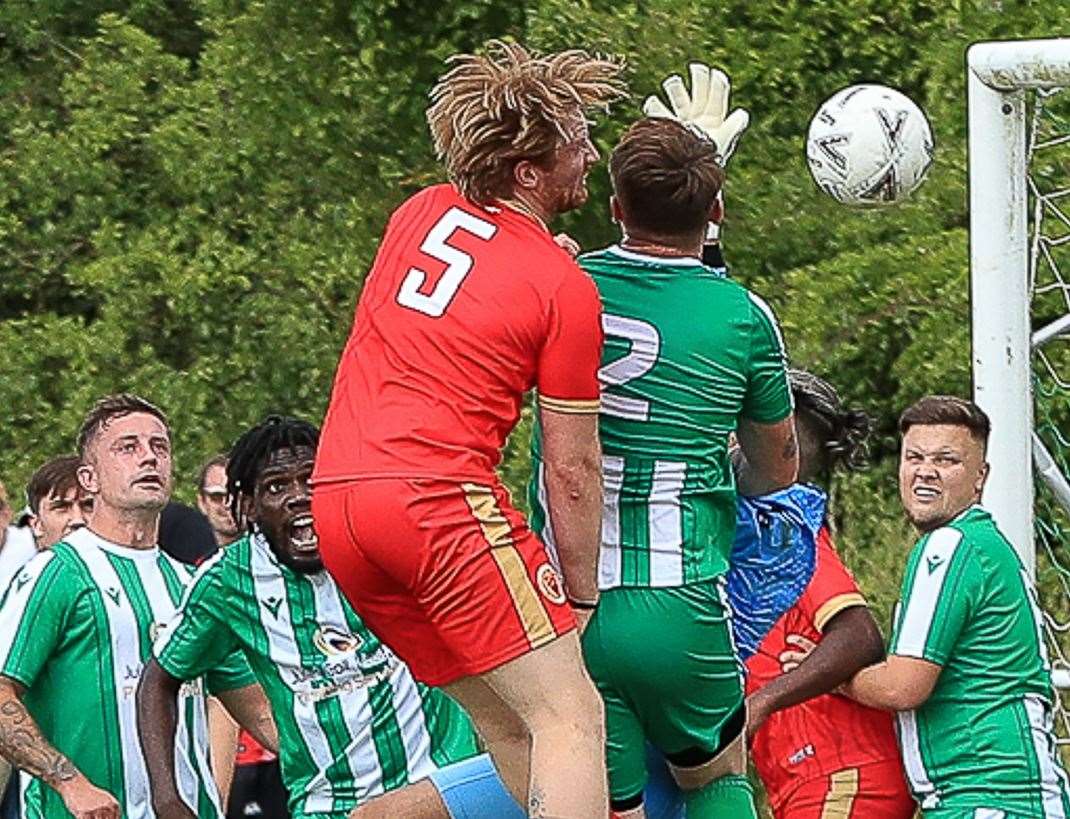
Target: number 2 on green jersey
x=645, y=344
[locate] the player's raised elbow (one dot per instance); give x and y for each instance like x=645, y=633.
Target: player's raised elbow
x=770, y=455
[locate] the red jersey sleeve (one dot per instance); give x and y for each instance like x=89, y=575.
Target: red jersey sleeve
x=832, y=588
x=567, y=377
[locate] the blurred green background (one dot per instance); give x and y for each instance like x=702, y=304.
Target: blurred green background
x=191, y=192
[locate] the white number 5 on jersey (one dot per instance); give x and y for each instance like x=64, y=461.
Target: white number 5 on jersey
x=458, y=263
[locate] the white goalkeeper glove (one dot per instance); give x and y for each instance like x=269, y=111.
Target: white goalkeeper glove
x=705, y=109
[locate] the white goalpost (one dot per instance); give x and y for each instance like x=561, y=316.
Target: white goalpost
x=1019, y=168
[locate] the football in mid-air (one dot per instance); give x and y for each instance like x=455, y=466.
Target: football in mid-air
x=869, y=145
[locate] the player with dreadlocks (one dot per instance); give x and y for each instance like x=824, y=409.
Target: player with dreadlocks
x=470, y=304
x=352, y=723
x=816, y=751
x=802, y=628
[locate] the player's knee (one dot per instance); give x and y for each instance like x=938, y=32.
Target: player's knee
x=504, y=728
x=580, y=714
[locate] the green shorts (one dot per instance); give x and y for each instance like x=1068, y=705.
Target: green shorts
x=664, y=663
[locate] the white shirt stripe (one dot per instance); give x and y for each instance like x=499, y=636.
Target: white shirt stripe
x=760, y=303
x=925, y=592
x=666, y=528
x=910, y=745
x=361, y=755
x=1053, y=779
x=413, y=724
x=610, y=557
x=126, y=665
x=189, y=770
x=15, y=605
x=282, y=650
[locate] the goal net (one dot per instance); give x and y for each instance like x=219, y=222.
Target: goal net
x=1019, y=97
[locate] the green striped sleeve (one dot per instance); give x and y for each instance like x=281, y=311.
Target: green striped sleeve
x=940, y=589
x=196, y=640
x=768, y=397
x=233, y=672
x=34, y=616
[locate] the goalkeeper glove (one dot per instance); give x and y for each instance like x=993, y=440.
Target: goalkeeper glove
x=704, y=109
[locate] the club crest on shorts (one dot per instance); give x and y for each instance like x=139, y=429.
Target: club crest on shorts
x=550, y=584
x=332, y=642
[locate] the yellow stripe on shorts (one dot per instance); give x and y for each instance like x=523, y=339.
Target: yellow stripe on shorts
x=843, y=788
x=496, y=529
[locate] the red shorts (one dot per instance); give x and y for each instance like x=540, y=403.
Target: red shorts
x=448, y=575
x=874, y=791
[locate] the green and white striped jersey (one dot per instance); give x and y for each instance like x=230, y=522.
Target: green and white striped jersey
x=688, y=352
x=352, y=721
x=76, y=627
x=984, y=738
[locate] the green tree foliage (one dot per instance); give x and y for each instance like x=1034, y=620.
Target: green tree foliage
x=191, y=192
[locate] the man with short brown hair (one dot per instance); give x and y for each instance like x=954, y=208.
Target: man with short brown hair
x=77, y=625
x=967, y=669
x=690, y=358
x=57, y=504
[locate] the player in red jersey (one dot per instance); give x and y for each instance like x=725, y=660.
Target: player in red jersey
x=470, y=303
x=818, y=753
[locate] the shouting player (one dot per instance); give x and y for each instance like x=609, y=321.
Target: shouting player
x=470, y=303
x=967, y=667
x=77, y=626
x=352, y=722
x=690, y=357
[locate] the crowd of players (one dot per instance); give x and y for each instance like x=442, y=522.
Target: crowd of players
x=380, y=616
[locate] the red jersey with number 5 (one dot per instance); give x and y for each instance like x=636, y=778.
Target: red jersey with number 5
x=465, y=309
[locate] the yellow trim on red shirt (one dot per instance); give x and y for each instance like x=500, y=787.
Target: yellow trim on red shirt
x=574, y=406
x=834, y=606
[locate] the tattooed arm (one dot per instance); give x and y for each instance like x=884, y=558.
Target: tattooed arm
x=22, y=744
x=768, y=456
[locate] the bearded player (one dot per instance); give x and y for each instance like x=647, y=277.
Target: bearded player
x=470, y=303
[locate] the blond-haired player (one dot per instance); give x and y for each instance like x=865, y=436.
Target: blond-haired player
x=470, y=304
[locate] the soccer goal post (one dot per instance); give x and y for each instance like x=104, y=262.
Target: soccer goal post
x=1019, y=171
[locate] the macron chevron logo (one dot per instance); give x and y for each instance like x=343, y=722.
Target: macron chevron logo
x=272, y=604
x=934, y=562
